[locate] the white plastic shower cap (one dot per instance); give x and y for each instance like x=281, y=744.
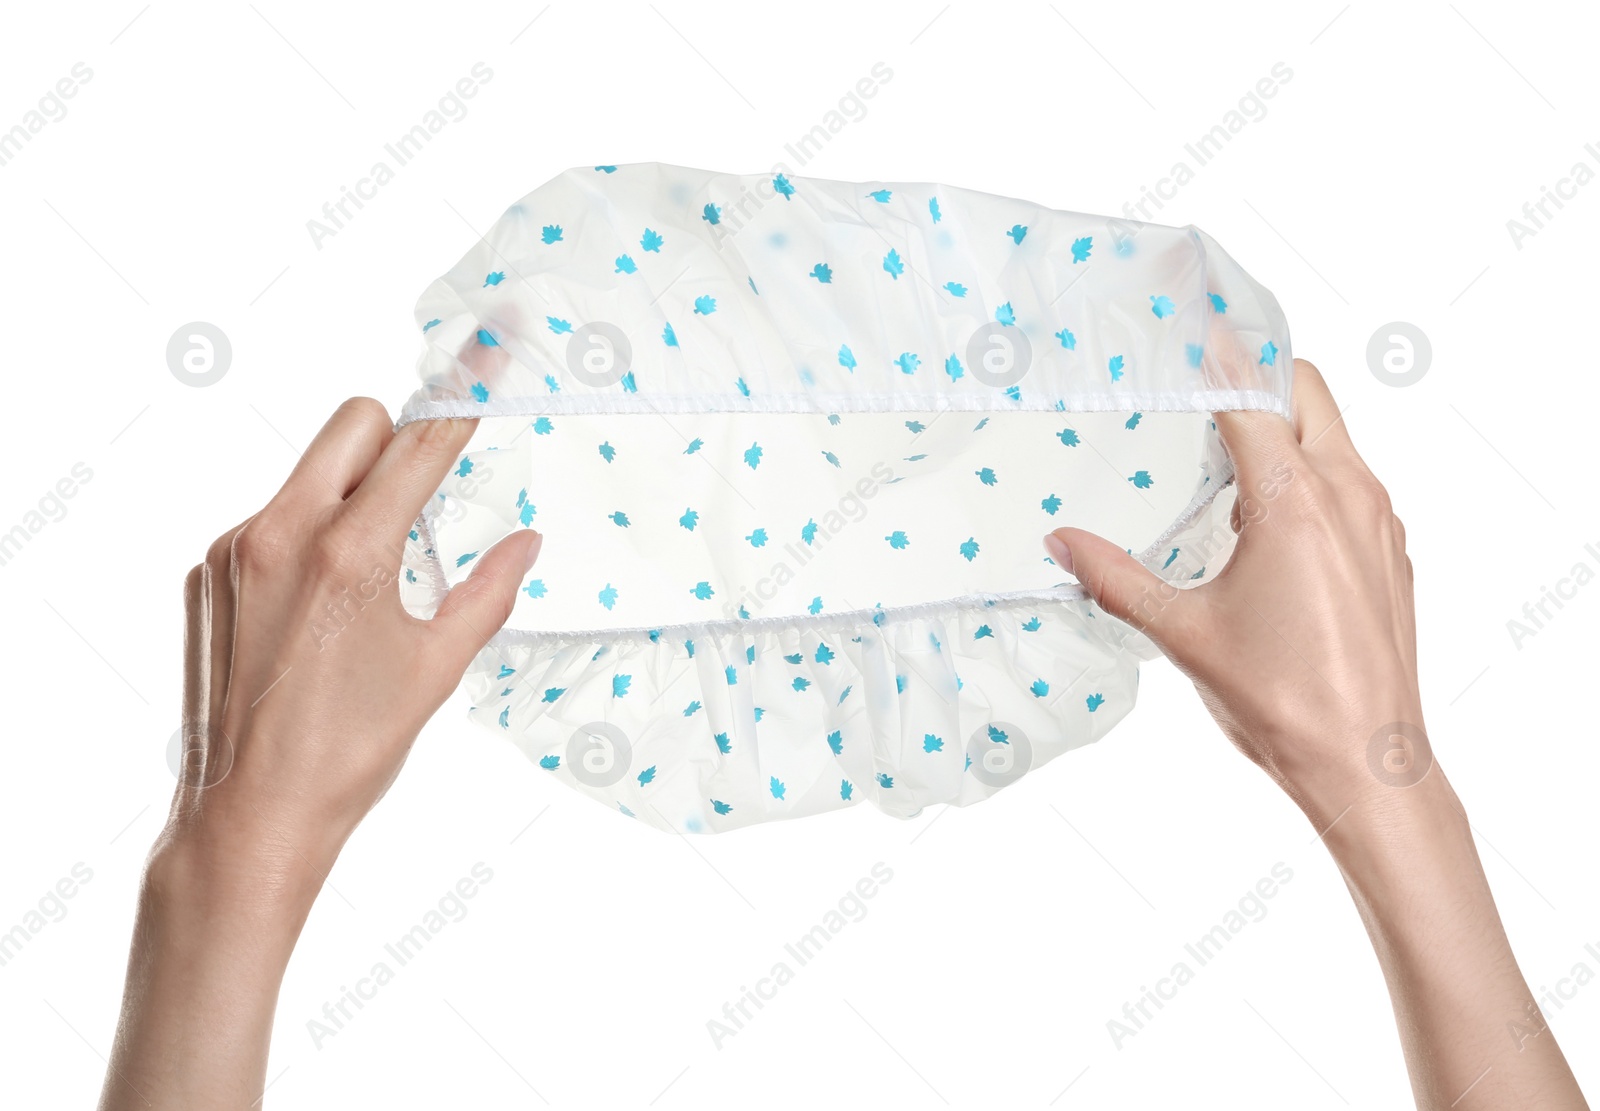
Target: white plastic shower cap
x=792, y=444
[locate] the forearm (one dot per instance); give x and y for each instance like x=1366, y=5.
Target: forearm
x=211, y=942
x=1471, y=1035
x=276, y=784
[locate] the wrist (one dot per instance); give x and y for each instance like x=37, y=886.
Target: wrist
x=1386, y=828
x=1411, y=864
x=200, y=871
x=1379, y=762
x=212, y=941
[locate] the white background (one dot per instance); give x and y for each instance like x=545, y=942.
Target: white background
x=1376, y=188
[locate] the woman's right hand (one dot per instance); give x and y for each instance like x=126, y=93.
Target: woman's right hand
x=1304, y=647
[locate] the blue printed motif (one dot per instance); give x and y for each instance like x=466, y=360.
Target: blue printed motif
x=930, y=270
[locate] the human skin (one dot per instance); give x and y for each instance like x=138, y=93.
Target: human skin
x=300, y=733
x=1304, y=649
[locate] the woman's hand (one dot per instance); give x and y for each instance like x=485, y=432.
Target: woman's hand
x=1304, y=649
x=307, y=680
x=305, y=685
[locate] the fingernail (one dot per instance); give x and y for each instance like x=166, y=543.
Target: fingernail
x=1058, y=551
x=533, y=551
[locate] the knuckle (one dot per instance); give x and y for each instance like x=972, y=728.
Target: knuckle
x=1373, y=498
x=250, y=549
x=258, y=544
x=220, y=553
x=1355, y=493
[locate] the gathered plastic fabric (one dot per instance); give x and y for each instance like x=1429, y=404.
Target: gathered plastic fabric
x=792, y=444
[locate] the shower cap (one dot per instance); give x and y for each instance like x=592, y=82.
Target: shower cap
x=792, y=444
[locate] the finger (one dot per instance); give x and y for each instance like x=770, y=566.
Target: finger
x=341, y=454
x=196, y=640
x=481, y=360
x=406, y=475
x=1317, y=420
x=475, y=609
x=1122, y=586
x=221, y=605
x=196, y=682
x=1259, y=443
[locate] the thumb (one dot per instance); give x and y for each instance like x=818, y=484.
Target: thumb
x=475, y=609
x=1120, y=584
